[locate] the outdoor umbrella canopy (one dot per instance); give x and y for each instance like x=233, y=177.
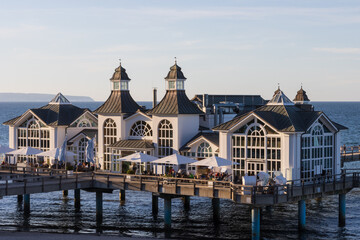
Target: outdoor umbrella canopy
x=25, y=151
x=55, y=153
x=138, y=157
x=5, y=149
x=175, y=159
x=213, y=162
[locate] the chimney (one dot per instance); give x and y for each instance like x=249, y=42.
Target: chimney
x=154, y=97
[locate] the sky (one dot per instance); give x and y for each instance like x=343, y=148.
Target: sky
x=223, y=47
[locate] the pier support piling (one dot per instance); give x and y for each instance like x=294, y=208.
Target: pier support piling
x=26, y=203
x=302, y=214
x=65, y=193
x=155, y=205
x=186, y=200
x=216, y=209
x=167, y=211
x=19, y=198
x=99, y=206
x=77, y=198
x=255, y=223
x=342, y=209
x=122, y=196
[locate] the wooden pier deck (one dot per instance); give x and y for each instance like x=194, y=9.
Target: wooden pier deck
x=24, y=184
x=20, y=183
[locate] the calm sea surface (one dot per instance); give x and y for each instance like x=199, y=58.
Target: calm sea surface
x=50, y=212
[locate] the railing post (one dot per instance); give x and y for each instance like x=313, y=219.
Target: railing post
x=213, y=188
x=344, y=177
x=124, y=182
x=108, y=181
x=141, y=183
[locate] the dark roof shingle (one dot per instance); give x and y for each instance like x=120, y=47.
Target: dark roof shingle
x=133, y=144
x=285, y=118
x=118, y=102
x=175, y=102
x=55, y=114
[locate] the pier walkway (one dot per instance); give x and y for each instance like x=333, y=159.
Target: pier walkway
x=23, y=183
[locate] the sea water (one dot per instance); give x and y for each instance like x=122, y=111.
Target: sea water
x=51, y=212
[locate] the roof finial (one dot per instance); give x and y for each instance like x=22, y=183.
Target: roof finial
x=120, y=61
x=175, y=60
x=301, y=85
x=279, y=86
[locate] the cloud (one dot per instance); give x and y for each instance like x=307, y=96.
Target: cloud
x=339, y=50
x=10, y=32
x=125, y=48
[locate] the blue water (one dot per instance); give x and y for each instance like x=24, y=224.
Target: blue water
x=51, y=212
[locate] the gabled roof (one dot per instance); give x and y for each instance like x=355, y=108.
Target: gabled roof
x=54, y=114
x=212, y=137
x=90, y=133
x=133, y=144
x=175, y=102
x=118, y=102
x=284, y=118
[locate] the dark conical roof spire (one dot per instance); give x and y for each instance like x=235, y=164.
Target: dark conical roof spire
x=301, y=96
x=175, y=72
x=280, y=98
x=120, y=74
x=59, y=99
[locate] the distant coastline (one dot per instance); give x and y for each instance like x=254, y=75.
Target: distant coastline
x=39, y=97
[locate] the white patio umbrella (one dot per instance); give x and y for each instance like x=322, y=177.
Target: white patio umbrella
x=138, y=157
x=175, y=159
x=27, y=151
x=5, y=149
x=55, y=153
x=214, y=162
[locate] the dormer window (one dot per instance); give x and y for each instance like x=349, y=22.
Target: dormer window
x=180, y=85
x=171, y=85
x=116, y=85
x=124, y=85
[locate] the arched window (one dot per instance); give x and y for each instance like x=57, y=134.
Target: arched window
x=204, y=150
x=165, y=138
x=33, y=134
x=316, y=152
x=141, y=129
x=109, y=138
x=256, y=148
x=256, y=143
x=84, y=123
x=81, y=149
